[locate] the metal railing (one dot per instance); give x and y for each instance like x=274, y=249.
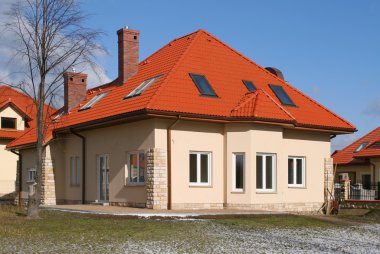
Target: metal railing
x=358, y=191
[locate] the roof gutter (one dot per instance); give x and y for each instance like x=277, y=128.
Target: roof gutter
x=19, y=176
x=83, y=138
x=146, y=113
x=169, y=159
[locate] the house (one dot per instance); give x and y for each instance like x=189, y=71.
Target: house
x=195, y=125
x=17, y=111
x=359, y=162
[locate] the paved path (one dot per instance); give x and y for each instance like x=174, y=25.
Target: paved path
x=144, y=212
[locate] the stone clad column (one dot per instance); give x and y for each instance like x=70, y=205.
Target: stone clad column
x=156, y=179
x=329, y=183
x=47, y=181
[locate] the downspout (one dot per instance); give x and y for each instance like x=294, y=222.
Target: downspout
x=169, y=158
x=19, y=175
x=83, y=164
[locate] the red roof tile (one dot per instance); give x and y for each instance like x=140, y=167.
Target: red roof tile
x=348, y=155
x=225, y=69
x=260, y=105
x=22, y=104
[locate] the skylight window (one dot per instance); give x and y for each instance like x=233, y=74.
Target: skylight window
x=282, y=95
x=58, y=115
x=142, y=87
x=203, y=85
x=250, y=86
x=94, y=100
x=361, y=147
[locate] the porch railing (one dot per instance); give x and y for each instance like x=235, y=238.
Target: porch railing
x=346, y=191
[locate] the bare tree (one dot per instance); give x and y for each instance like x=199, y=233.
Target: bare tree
x=50, y=38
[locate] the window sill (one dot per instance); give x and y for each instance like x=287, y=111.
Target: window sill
x=238, y=192
x=200, y=185
x=266, y=192
x=296, y=187
x=134, y=185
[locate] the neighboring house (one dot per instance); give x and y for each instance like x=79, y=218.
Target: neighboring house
x=359, y=162
x=195, y=125
x=17, y=111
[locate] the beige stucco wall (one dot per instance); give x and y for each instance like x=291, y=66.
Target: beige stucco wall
x=203, y=137
x=376, y=162
x=28, y=161
x=250, y=139
x=219, y=139
x=8, y=168
x=9, y=112
x=114, y=141
x=358, y=169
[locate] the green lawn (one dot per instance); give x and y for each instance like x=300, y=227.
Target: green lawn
x=63, y=232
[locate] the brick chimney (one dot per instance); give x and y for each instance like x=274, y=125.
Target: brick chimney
x=128, y=51
x=75, y=87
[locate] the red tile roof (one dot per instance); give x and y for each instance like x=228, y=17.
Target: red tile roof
x=21, y=103
x=372, y=149
x=225, y=69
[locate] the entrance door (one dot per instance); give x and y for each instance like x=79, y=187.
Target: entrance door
x=103, y=175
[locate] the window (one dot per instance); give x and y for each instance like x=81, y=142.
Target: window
x=296, y=171
x=282, y=95
x=58, y=115
x=136, y=167
x=94, y=100
x=238, y=171
x=75, y=167
x=265, y=172
x=250, y=86
x=8, y=123
x=31, y=175
x=203, y=85
x=142, y=87
x=200, y=168
x=361, y=147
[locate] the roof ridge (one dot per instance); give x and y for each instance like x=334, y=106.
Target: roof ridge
x=278, y=105
x=282, y=81
x=195, y=36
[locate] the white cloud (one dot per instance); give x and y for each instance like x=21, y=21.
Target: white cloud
x=11, y=69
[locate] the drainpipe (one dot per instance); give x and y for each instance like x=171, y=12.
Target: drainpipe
x=19, y=175
x=169, y=158
x=83, y=164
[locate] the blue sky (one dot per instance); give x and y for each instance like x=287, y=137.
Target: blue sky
x=328, y=49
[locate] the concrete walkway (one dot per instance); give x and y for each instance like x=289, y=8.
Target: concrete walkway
x=144, y=212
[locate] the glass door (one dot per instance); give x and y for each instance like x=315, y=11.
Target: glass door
x=103, y=173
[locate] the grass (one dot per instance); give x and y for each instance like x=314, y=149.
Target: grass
x=279, y=221
x=62, y=232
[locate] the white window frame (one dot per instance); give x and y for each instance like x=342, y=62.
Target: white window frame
x=142, y=87
x=29, y=170
x=274, y=173
x=234, y=189
x=294, y=184
x=75, y=171
x=209, y=165
x=127, y=168
x=94, y=100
